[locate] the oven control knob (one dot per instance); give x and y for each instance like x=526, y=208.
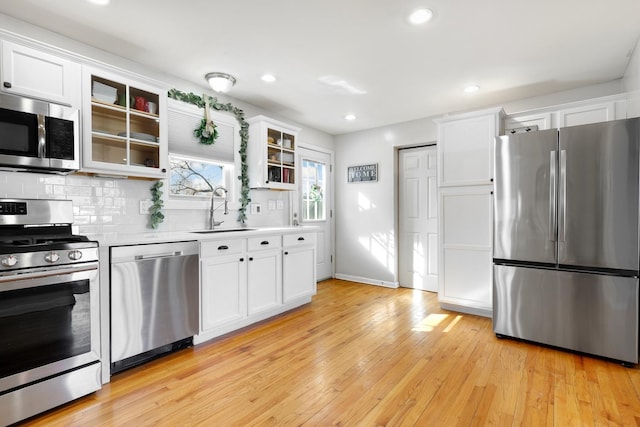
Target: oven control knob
x=52, y=257
x=9, y=261
x=75, y=255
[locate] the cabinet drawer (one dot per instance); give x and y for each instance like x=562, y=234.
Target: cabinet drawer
x=222, y=247
x=264, y=242
x=298, y=239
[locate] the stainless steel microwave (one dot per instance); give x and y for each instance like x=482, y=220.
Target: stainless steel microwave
x=38, y=136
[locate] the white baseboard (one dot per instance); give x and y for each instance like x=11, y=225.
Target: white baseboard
x=466, y=309
x=367, y=281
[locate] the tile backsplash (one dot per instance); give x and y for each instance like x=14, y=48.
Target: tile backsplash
x=104, y=205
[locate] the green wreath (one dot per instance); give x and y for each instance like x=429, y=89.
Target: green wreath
x=206, y=137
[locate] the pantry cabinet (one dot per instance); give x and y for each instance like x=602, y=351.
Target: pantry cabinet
x=465, y=183
x=38, y=74
x=125, y=130
x=271, y=154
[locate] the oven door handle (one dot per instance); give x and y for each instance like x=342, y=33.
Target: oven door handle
x=50, y=276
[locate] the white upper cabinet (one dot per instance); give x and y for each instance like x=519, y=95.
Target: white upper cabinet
x=271, y=154
x=38, y=74
x=585, y=114
x=525, y=122
x=465, y=147
x=125, y=125
x=594, y=110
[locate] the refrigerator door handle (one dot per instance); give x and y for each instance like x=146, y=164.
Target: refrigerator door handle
x=553, y=201
x=562, y=197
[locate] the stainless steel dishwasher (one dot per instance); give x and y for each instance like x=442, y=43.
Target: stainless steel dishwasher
x=154, y=301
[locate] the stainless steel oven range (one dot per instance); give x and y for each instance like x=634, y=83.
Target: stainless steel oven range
x=49, y=309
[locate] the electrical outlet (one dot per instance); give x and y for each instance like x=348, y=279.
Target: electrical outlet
x=280, y=205
x=145, y=205
x=255, y=208
x=272, y=205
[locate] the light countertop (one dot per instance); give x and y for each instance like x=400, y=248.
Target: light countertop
x=123, y=239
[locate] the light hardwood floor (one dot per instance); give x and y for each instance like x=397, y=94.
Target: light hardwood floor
x=362, y=355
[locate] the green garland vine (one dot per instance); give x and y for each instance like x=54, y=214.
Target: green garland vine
x=192, y=98
x=156, y=208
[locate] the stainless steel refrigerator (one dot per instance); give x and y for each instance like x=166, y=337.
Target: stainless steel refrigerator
x=566, y=243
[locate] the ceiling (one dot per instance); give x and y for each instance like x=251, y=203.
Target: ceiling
x=334, y=57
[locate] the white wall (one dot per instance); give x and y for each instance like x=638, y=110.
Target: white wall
x=107, y=205
x=631, y=82
x=365, y=212
x=366, y=244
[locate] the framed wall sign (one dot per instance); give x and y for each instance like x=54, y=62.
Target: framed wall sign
x=362, y=173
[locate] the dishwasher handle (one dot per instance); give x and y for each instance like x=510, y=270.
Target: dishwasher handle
x=143, y=252
x=156, y=256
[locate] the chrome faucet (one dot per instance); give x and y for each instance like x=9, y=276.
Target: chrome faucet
x=212, y=222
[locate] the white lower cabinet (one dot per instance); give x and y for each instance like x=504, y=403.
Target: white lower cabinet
x=298, y=266
x=223, y=290
x=265, y=274
x=245, y=280
x=223, y=282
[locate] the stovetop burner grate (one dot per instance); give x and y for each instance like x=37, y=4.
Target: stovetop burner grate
x=32, y=239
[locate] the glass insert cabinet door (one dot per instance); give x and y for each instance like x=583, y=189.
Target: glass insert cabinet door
x=314, y=178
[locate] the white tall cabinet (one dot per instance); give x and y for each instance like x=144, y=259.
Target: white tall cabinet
x=465, y=185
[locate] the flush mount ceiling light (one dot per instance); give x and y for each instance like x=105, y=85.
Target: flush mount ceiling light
x=420, y=16
x=269, y=78
x=472, y=88
x=350, y=117
x=99, y=2
x=220, y=82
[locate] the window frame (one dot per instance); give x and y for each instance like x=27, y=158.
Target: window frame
x=190, y=202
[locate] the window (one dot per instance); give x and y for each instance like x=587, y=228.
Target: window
x=313, y=190
x=192, y=177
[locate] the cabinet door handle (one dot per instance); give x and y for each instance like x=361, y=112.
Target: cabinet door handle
x=264, y=242
x=223, y=247
x=250, y=258
x=286, y=253
x=300, y=238
x=241, y=259
x=7, y=85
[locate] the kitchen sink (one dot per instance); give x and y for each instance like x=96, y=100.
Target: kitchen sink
x=223, y=230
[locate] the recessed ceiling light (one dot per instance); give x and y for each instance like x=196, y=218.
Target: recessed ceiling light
x=269, y=78
x=420, y=16
x=350, y=117
x=99, y=2
x=472, y=88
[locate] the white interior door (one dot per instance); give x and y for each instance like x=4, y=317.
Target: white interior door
x=418, y=219
x=316, y=204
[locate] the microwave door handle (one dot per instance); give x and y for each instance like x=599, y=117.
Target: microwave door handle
x=42, y=137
